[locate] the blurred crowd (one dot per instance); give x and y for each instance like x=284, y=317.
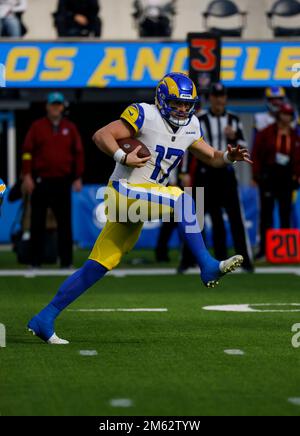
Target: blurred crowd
x=275, y=173
x=153, y=18
x=48, y=176
x=275, y=145
x=80, y=18
x=11, y=12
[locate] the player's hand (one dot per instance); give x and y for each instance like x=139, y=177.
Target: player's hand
x=238, y=154
x=77, y=185
x=28, y=184
x=134, y=161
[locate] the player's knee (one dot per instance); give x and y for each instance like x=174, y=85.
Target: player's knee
x=93, y=271
x=109, y=261
x=113, y=263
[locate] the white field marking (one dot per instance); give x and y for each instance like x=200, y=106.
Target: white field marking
x=137, y=272
x=230, y=308
x=2, y=336
x=234, y=352
x=249, y=307
x=30, y=275
x=121, y=402
x=295, y=401
x=118, y=310
x=88, y=353
x=67, y=272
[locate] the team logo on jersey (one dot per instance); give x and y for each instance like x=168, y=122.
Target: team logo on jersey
x=190, y=133
x=65, y=131
x=133, y=112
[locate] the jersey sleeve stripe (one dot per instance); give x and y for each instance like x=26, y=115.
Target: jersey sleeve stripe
x=134, y=115
x=141, y=117
x=130, y=121
x=197, y=140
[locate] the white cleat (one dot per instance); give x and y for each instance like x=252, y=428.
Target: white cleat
x=55, y=340
x=226, y=266
x=231, y=264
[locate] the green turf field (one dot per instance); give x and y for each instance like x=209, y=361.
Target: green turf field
x=136, y=258
x=165, y=363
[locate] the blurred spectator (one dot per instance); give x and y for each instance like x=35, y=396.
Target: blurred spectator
x=220, y=128
x=298, y=125
x=274, y=96
x=19, y=10
x=9, y=23
x=276, y=170
x=154, y=17
x=52, y=161
x=77, y=18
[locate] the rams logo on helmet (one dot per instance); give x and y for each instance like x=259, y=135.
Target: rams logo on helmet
x=176, y=87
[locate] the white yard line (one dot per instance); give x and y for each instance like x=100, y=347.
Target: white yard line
x=121, y=402
x=294, y=400
x=234, y=352
x=88, y=353
x=119, y=310
x=252, y=307
x=27, y=273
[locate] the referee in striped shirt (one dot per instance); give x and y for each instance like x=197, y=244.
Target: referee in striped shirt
x=220, y=128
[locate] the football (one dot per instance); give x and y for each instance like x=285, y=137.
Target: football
x=130, y=144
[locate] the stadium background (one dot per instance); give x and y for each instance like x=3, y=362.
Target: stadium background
x=100, y=77
x=166, y=363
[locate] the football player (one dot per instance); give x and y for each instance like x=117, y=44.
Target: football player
x=168, y=128
x=275, y=96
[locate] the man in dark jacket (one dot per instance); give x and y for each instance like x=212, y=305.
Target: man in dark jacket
x=276, y=170
x=75, y=18
x=52, y=162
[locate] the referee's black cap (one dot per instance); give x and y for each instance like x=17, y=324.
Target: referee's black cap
x=217, y=88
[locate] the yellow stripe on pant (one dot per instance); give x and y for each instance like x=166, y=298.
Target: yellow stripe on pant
x=118, y=238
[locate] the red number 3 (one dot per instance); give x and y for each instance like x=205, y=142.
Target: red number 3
x=206, y=49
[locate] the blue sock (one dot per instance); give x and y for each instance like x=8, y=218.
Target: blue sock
x=189, y=229
x=73, y=287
